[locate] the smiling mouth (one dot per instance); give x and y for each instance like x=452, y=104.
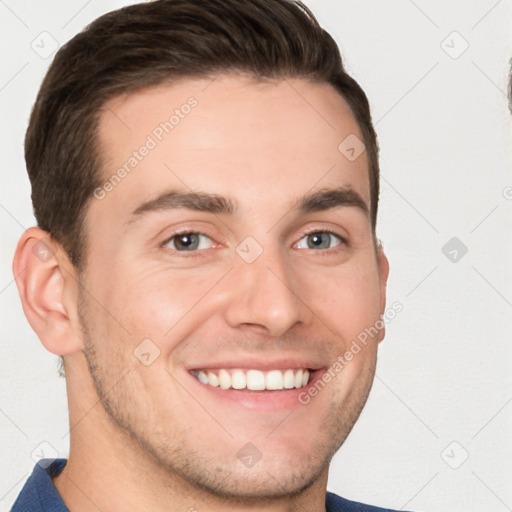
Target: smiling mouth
x=254, y=380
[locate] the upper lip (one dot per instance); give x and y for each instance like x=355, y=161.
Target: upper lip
x=258, y=363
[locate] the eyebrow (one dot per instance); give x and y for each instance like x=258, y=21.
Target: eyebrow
x=199, y=201
x=325, y=199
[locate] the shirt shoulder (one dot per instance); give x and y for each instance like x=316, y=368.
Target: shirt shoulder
x=335, y=503
x=39, y=494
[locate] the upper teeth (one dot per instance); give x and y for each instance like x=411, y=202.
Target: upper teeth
x=255, y=380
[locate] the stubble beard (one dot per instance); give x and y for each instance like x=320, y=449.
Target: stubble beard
x=180, y=458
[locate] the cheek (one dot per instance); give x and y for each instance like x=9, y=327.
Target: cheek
x=157, y=302
x=346, y=298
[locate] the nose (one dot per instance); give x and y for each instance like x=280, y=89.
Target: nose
x=263, y=296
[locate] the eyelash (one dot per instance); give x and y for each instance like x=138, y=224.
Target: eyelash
x=343, y=241
x=187, y=254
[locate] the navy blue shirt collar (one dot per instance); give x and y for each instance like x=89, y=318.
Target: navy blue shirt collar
x=39, y=494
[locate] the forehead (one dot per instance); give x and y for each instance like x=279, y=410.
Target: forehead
x=262, y=142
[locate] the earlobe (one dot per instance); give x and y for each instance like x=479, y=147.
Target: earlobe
x=47, y=288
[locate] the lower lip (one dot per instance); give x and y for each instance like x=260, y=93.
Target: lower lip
x=286, y=399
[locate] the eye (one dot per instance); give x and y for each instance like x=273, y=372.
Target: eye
x=319, y=240
x=188, y=242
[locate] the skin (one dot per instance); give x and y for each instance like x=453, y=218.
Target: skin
x=156, y=439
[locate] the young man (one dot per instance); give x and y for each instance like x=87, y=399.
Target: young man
x=205, y=181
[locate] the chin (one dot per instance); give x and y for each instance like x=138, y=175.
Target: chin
x=266, y=480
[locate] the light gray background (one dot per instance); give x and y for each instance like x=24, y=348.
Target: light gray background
x=443, y=387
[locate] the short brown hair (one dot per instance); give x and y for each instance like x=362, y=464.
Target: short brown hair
x=150, y=43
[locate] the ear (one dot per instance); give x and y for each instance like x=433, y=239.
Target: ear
x=383, y=269
x=48, y=287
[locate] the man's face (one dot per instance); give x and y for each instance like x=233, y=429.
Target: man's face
x=275, y=279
